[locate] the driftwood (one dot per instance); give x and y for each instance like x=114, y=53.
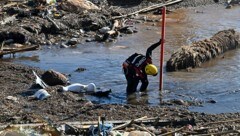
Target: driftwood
x=150, y=8
x=2, y=52
x=183, y=129
x=118, y=123
x=220, y=122
x=143, y=129
x=199, y=52
x=53, y=22
x=128, y=123
x=112, y=32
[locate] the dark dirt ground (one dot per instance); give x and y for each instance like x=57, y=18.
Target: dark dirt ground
x=16, y=80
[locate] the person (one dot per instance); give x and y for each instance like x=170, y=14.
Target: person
x=136, y=68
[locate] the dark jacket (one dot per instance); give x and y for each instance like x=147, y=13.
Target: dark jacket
x=138, y=61
x=134, y=68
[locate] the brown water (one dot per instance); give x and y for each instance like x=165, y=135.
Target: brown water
x=218, y=79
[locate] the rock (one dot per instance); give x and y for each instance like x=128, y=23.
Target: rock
x=52, y=78
x=104, y=30
x=78, y=6
x=179, y=102
x=211, y=101
x=129, y=31
x=89, y=40
x=80, y=69
x=98, y=37
x=63, y=45
x=73, y=41
x=17, y=34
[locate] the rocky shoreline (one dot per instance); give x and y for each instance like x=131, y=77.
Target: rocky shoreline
x=38, y=23
x=16, y=80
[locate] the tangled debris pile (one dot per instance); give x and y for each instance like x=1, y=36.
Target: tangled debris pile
x=66, y=23
x=194, y=55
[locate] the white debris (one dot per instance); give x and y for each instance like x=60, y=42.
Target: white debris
x=41, y=94
x=80, y=88
x=40, y=81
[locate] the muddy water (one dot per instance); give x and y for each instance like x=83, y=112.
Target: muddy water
x=216, y=80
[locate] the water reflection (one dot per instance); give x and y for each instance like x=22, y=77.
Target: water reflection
x=138, y=98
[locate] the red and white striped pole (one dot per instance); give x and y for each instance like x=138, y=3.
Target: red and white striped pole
x=162, y=48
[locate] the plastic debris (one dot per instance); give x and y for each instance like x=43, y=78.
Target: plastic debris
x=80, y=88
x=51, y=1
x=41, y=94
x=40, y=81
x=104, y=129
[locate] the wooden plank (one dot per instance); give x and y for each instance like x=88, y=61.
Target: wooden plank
x=19, y=50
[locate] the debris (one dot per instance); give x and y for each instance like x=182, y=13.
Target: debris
x=104, y=129
x=80, y=88
x=8, y=20
x=15, y=99
x=199, y=52
x=41, y=94
x=14, y=50
x=104, y=30
x=150, y=8
x=51, y=1
x=103, y=93
x=128, y=123
x=139, y=133
x=39, y=81
x=72, y=41
x=78, y=6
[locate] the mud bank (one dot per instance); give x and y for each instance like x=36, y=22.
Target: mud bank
x=17, y=108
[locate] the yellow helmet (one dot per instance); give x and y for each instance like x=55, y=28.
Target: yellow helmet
x=151, y=69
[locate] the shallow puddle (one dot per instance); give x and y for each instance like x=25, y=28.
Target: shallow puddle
x=217, y=80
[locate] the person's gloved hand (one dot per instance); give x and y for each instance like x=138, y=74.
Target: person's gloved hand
x=161, y=41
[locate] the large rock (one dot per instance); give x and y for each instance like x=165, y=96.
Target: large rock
x=53, y=78
x=16, y=33
x=194, y=55
x=78, y=6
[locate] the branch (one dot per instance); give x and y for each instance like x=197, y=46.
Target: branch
x=128, y=123
x=19, y=50
x=227, y=121
x=143, y=129
x=150, y=8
